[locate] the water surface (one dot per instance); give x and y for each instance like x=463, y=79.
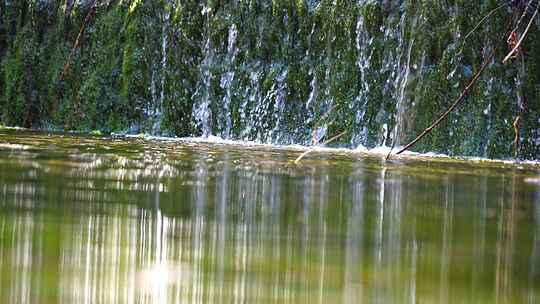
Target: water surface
x=90, y=220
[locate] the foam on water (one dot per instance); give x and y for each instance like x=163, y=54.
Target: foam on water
x=381, y=151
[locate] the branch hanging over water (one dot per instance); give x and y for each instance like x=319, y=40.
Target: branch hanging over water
x=468, y=88
x=461, y=97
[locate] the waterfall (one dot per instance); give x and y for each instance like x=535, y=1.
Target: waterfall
x=202, y=111
x=314, y=91
x=277, y=96
x=319, y=132
x=227, y=81
x=153, y=111
x=489, y=91
x=158, y=112
x=394, y=34
x=251, y=95
x=330, y=75
x=281, y=72
x=364, y=53
x=381, y=106
x=403, y=79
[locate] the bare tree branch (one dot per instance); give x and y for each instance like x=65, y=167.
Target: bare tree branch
x=513, y=52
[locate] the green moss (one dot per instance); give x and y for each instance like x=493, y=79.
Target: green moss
x=114, y=80
x=96, y=133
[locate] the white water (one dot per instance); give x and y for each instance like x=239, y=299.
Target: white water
x=201, y=110
x=363, y=43
x=381, y=151
x=403, y=79
x=226, y=83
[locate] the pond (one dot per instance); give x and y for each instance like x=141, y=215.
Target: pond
x=126, y=220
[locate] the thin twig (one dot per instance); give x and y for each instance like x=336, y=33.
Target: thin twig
x=522, y=17
x=493, y=11
x=77, y=40
x=299, y=158
x=334, y=138
x=332, y=108
x=516, y=47
x=516, y=124
x=319, y=121
x=391, y=149
x=72, y=52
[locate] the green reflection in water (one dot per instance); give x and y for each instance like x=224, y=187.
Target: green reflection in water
x=87, y=220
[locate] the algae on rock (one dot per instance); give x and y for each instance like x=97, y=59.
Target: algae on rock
x=272, y=70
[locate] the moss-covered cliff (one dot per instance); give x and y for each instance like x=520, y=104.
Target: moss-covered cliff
x=272, y=70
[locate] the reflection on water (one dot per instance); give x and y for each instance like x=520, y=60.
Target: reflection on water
x=87, y=221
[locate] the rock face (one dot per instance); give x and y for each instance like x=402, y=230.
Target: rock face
x=274, y=71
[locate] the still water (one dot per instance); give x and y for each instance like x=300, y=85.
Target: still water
x=88, y=220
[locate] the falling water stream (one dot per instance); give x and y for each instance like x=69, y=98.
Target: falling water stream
x=376, y=73
x=117, y=220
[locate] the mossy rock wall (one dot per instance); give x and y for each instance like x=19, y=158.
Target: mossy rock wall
x=273, y=71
